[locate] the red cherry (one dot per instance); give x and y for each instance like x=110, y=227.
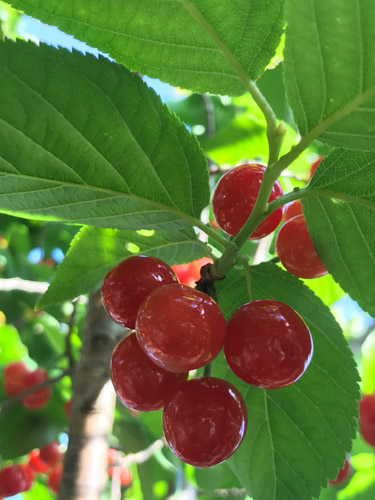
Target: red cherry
x=292, y=210
x=367, y=418
x=111, y=456
x=14, y=374
x=268, y=344
x=127, y=285
x=15, y=479
x=314, y=166
x=68, y=407
x=139, y=383
x=342, y=474
x=189, y=274
x=50, y=454
x=180, y=328
x=37, y=399
x=234, y=199
x=123, y=475
x=296, y=251
x=36, y=464
x=54, y=478
x=205, y=421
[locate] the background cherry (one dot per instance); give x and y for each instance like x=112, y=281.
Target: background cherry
x=54, y=478
x=367, y=418
x=15, y=479
x=205, y=421
x=50, y=454
x=234, y=199
x=296, y=251
x=180, y=328
x=35, y=463
x=189, y=274
x=127, y=285
x=268, y=344
x=139, y=383
x=342, y=474
x=38, y=399
x=14, y=374
x=315, y=165
x=293, y=209
x=124, y=475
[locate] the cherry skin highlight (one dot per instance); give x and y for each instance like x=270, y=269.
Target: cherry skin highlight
x=38, y=399
x=180, y=328
x=268, y=344
x=50, y=454
x=139, y=383
x=127, y=285
x=205, y=421
x=342, y=474
x=234, y=199
x=296, y=251
x=189, y=274
x=15, y=479
x=14, y=374
x=292, y=210
x=367, y=418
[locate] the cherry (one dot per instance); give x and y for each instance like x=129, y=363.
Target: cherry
x=111, y=456
x=68, y=407
x=139, y=383
x=189, y=274
x=180, y=328
x=296, y=251
x=14, y=374
x=35, y=463
x=293, y=209
x=39, y=398
x=128, y=284
x=15, y=479
x=234, y=199
x=124, y=475
x=342, y=474
x=50, y=454
x=315, y=165
x=54, y=478
x=205, y=421
x=268, y=344
x=367, y=418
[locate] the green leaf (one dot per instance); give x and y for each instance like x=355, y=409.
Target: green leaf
x=194, y=44
x=94, y=252
x=326, y=289
x=38, y=492
x=340, y=214
x=329, y=70
x=84, y=140
x=11, y=347
x=296, y=436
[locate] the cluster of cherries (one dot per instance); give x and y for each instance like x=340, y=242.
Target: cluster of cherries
x=18, y=378
x=233, y=201
x=119, y=473
x=18, y=478
x=178, y=329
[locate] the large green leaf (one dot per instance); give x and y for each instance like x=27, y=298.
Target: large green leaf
x=296, y=436
x=95, y=251
x=11, y=346
x=201, y=45
x=340, y=215
x=329, y=70
x=83, y=140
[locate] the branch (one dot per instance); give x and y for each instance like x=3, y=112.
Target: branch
x=142, y=456
x=8, y=403
x=7, y=285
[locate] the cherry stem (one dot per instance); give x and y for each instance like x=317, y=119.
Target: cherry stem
x=8, y=403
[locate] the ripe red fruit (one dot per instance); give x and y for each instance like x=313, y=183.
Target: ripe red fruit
x=111, y=456
x=268, y=344
x=14, y=374
x=314, y=166
x=296, y=251
x=189, y=274
x=37, y=399
x=139, y=383
x=205, y=421
x=15, y=479
x=124, y=475
x=180, y=328
x=367, y=418
x=54, y=478
x=127, y=285
x=234, y=199
x=50, y=454
x=342, y=474
x=292, y=210
x=35, y=462
x=68, y=407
